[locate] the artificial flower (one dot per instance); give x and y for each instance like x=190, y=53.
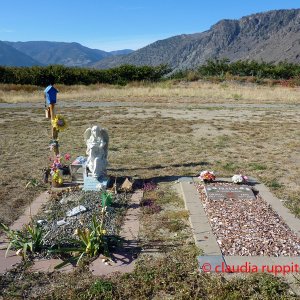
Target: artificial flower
x=59, y=123
x=67, y=156
x=207, y=176
x=238, y=178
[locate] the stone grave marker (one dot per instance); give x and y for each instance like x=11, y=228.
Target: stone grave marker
x=229, y=191
x=94, y=184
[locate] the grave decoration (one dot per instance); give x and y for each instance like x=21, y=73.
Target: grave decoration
x=95, y=167
x=58, y=124
x=239, y=179
x=59, y=168
x=207, y=176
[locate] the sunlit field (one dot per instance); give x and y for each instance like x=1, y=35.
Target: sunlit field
x=158, y=130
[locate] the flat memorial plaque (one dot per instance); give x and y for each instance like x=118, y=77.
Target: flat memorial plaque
x=94, y=184
x=229, y=191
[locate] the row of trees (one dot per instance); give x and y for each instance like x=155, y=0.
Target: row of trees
x=282, y=70
x=222, y=67
x=127, y=73
x=66, y=75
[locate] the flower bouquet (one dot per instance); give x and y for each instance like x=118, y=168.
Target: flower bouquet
x=57, y=180
x=238, y=178
x=207, y=176
x=59, y=123
x=58, y=169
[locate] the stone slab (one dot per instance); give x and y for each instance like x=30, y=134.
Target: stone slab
x=31, y=210
x=125, y=256
x=94, y=184
x=278, y=266
x=210, y=263
x=267, y=264
x=8, y=262
x=48, y=265
x=202, y=232
x=215, y=192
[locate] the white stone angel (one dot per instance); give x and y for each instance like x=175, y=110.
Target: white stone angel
x=96, y=139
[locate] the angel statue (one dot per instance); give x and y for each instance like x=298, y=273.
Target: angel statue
x=96, y=139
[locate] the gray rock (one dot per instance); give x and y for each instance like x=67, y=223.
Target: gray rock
x=41, y=222
x=75, y=211
x=61, y=222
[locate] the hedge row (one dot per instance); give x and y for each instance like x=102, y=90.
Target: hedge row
x=40, y=76
x=282, y=70
x=223, y=67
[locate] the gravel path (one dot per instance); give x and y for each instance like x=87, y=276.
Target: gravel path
x=249, y=228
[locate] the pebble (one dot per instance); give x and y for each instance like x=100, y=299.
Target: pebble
x=75, y=211
x=61, y=222
x=41, y=222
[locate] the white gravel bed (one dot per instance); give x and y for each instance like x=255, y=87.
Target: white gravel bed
x=249, y=228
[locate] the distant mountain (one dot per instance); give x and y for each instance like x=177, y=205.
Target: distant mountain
x=9, y=56
x=271, y=36
x=68, y=54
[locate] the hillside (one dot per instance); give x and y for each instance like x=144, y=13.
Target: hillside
x=271, y=36
x=68, y=54
x=9, y=56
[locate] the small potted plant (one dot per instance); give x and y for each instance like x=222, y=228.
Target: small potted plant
x=207, y=176
x=239, y=179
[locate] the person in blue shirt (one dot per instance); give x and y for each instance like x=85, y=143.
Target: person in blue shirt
x=50, y=93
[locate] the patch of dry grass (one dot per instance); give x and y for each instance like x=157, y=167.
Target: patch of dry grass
x=166, y=91
x=160, y=140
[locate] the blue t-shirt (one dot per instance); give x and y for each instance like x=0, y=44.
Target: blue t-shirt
x=50, y=93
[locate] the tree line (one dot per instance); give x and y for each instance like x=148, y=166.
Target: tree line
x=223, y=67
x=40, y=76
x=126, y=73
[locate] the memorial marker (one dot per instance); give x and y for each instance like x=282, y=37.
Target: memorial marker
x=229, y=191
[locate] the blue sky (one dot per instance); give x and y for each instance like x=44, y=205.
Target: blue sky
x=120, y=24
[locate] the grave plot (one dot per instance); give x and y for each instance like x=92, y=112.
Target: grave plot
x=71, y=211
x=245, y=224
x=74, y=225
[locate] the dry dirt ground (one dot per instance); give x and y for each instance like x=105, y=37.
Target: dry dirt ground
x=177, y=135
x=155, y=132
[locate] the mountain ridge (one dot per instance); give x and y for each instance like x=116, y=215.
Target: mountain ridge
x=10, y=56
x=69, y=54
x=271, y=36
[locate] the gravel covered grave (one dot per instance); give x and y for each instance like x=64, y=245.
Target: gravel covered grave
x=249, y=227
x=59, y=227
